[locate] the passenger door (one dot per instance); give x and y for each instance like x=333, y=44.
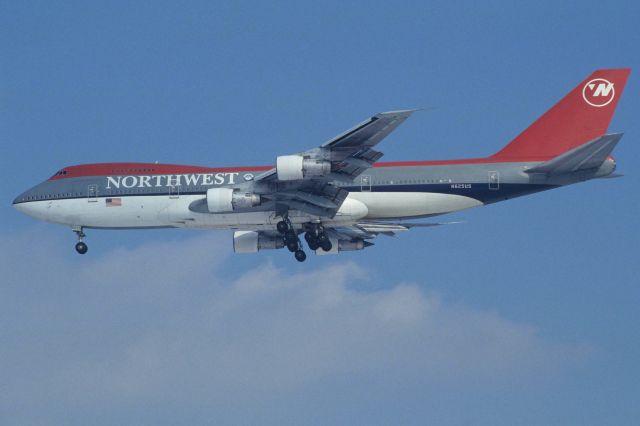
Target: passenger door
x=92, y=193
x=174, y=191
x=365, y=183
x=494, y=180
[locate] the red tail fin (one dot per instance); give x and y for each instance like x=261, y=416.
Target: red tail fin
x=581, y=116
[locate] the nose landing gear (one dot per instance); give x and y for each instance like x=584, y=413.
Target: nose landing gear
x=81, y=247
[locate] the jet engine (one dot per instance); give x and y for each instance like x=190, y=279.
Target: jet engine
x=251, y=242
x=296, y=167
x=224, y=200
x=350, y=245
x=344, y=245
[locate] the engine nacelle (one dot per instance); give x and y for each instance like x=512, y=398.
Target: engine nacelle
x=344, y=245
x=296, y=167
x=251, y=242
x=224, y=200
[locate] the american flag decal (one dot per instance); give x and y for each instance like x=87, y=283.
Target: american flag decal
x=113, y=202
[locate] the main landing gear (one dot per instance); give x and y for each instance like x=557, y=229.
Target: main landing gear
x=315, y=236
x=291, y=240
x=81, y=247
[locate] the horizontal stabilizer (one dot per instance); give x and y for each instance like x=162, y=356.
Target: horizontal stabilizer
x=585, y=157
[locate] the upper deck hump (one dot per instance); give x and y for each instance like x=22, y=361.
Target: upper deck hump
x=115, y=169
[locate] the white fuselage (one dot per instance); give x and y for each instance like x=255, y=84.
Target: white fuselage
x=173, y=211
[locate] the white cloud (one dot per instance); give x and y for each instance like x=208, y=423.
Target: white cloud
x=124, y=329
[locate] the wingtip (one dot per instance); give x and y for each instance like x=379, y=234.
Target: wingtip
x=615, y=135
x=405, y=112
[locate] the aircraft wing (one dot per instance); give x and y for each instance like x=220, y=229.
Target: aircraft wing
x=373, y=229
x=347, y=237
x=305, y=181
x=353, y=152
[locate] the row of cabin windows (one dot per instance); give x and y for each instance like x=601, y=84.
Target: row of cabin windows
x=54, y=196
x=118, y=171
x=153, y=190
x=128, y=171
x=108, y=192
x=94, y=194
x=158, y=190
x=398, y=182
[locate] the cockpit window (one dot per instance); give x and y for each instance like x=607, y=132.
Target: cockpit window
x=60, y=173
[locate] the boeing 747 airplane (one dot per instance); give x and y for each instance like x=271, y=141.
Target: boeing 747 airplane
x=336, y=195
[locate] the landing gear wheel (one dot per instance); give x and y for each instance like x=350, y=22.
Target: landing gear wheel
x=322, y=238
x=326, y=245
x=312, y=241
x=291, y=241
x=282, y=227
x=300, y=256
x=81, y=247
x=291, y=235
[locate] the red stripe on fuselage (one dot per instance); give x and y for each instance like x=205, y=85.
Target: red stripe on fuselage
x=133, y=169
x=487, y=160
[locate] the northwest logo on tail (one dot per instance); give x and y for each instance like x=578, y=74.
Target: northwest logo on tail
x=598, y=92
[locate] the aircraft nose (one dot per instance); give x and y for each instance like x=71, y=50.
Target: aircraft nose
x=35, y=209
x=25, y=204
x=19, y=206
x=20, y=198
x=20, y=203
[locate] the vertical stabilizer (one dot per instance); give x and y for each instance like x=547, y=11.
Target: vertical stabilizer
x=580, y=117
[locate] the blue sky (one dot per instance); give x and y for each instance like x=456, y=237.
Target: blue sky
x=524, y=314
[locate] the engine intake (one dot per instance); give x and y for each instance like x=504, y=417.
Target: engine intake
x=251, y=242
x=296, y=167
x=221, y=200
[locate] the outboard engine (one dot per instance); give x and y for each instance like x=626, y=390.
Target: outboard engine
x=297, y=167
x=252, y=241
x=344, y=245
